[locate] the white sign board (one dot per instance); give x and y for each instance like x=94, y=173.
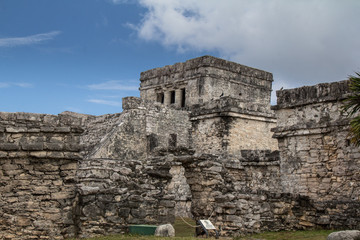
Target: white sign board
x=207, y=224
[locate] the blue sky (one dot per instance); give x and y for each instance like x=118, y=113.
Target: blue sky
x=85, y=55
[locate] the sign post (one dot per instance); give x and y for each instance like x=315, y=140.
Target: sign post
x=207, y=225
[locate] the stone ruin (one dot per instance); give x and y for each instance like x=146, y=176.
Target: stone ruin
x=202, y=141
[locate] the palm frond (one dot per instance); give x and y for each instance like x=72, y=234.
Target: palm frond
x=355, y=131
x=352, y=107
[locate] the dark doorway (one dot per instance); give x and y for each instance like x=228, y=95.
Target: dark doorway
x=160, y=97
x=183, y=94
x=172, y=100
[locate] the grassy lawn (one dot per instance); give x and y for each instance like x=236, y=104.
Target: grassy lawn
x=185, y=232
x=290, y=235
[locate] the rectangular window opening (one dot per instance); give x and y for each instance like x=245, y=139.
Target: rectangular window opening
x=172, y=99
x=160, y=98
x=183, y=94
x=172, y=140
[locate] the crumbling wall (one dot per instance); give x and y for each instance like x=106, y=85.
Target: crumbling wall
x=239, y=195
x=38, y=164
x=242, y=195
x=114, y=194
x=124, y=180
x=317, y=159
x=96, y=129
x=141, y=129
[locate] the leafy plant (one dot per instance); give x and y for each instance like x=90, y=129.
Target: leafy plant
x=352, y=108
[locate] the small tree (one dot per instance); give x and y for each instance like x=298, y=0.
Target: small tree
x=352, y=108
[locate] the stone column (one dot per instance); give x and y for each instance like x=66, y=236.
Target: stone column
x=167, y=98
x=178, y=98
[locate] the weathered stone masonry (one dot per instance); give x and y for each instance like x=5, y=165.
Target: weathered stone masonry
x=317, y=159
x=38, y=175
x=197, y=143
x=122, y=180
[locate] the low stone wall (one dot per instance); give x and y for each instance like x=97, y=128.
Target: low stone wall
x=317, y=159
x=38, y=164
x=231, y=191
x=114, y=194
x=242, y=196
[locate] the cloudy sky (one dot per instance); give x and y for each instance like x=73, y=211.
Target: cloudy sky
x=85, y=55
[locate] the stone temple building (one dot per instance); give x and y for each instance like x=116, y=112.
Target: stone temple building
x=202, y=141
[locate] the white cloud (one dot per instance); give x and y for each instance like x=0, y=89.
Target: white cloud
x=20, y=84
x=28, y=40
x=122, y=1
x=301, y=42
x=106, y=102
x=23, y=85
x=113, y=85
x=4, y=85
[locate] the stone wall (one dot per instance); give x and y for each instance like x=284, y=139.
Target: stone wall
x=227, y=126
x=317, y=159
x=38, y=165
x=116, y=193
x=238, y=194
x=124, y=180
x=232, y=133
x=46, y=192
x=142, y=128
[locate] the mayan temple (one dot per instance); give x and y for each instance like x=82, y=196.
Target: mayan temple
x=202, y=141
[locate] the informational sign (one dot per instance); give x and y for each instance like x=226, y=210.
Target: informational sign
x=207, y=224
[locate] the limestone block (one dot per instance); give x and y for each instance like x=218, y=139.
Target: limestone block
x=92, y=211
x=87, y=190
x=9, y=146
x=62, y=195
x=23, y=221
x=47, y=167
x=166, y=230
x=15, y=129
x=55, y=155
x=345, y=235
x=54, y=146
x=167, y=203
x=3, y=154
x=69, y=166
x=38, y=154
x=65, y=129
x=131, y=103
x=125, y=171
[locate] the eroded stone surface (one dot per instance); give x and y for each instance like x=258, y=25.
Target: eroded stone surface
x=344, y=235
x=166, y=230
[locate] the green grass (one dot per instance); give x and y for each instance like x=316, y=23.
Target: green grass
x=130, y=237
x=290, y=235
x=183, y=229
x=185, y=232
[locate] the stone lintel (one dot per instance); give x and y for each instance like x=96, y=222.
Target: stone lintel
x=303, y=130
x=255, y=116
